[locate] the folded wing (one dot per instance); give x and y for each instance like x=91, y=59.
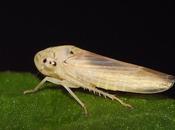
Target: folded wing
x=112, y=74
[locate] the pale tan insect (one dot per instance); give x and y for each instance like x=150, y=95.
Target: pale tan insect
x=73, y=67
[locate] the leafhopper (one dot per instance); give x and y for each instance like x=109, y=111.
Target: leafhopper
x=72, y=67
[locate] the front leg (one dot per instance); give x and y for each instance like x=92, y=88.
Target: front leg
x=64, y=83
x=40, y=85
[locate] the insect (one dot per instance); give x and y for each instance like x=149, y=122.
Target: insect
x=72, y=67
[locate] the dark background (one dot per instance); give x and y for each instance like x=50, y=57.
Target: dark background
x=139, y=33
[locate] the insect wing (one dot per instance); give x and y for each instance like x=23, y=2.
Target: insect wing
x=112, y=74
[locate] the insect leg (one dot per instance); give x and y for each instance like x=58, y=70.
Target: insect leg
x=39, y=86
x=76, y=98
x=64, y=83
x=113, y=97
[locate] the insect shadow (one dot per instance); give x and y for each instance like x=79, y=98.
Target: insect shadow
x=170, y=93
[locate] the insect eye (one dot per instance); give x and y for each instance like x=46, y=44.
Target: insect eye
x=45, y=60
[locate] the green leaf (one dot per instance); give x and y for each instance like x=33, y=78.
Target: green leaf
x=52, y=108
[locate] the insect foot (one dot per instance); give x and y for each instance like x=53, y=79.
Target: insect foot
x=29, y=91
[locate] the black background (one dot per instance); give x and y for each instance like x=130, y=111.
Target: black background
x=139, y=33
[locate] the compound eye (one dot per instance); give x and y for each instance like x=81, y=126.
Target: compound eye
x=44, y=60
